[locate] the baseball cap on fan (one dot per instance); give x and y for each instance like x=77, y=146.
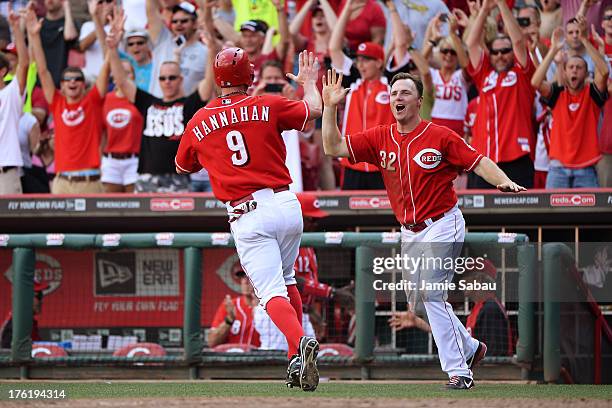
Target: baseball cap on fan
x=137, y=33
x=310, y=206
x=185, y=6
x=11, y=48
x=371, y=50
x=256, y=26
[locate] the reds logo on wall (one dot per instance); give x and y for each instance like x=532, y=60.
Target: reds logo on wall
x=73, y=117
x=47, y=269
x=572, y=200
x=118, y=118
x=428, y=158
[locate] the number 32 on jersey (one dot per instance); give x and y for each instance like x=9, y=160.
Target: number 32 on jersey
x=237, y=144
x=387, y=160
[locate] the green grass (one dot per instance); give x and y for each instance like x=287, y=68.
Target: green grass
x=331, y=389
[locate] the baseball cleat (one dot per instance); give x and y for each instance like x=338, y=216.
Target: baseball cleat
x=309, y=374
x=293, y=372
x=479, y=354
x=458, y=382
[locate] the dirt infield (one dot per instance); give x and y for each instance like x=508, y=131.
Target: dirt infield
x=311, y=402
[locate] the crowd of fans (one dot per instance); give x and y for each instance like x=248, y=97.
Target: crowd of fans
x=96, y=93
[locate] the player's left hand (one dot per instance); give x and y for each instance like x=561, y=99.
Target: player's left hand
x=308, y=68
x=402, y=320
x=510, y=187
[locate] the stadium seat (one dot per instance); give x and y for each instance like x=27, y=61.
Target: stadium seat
x=335, y=349
x=232, y=348
x=47, y=351
x=140, y=349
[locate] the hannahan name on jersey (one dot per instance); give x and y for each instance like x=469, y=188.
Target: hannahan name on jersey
x=229, y=117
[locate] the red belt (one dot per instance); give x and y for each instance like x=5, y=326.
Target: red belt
x=422, y=225
x=250, y=196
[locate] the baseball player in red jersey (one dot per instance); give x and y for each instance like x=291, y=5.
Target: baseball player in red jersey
x=419, y=161
x=237, y=138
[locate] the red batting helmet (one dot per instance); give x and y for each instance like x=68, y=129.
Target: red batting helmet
x=232, y=68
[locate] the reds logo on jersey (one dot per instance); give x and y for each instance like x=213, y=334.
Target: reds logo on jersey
x=382, y=98
x=118, y=118
x=428, y=158
x=510, y=79
x=573, y=106
x=73, y=117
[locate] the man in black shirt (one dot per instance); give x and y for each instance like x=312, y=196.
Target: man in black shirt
x=58, y=35
x=165, y=118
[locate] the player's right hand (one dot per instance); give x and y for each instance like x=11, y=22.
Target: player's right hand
x=333, y=92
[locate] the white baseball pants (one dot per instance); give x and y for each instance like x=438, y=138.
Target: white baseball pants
x=441, y=239
x=268, y=241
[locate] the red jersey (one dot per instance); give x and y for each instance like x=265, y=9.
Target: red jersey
x=238, y=140
x=123, y=124
x=306, y=269
x=470, y=116
x=367, y=105
x=605, y=135
x=503, y=128
x=242, y=331
x=418, y=168
x=358, y=30
x=573, y=136
x=78, y=131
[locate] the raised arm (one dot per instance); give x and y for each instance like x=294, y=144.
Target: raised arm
x=94, y=9
x=299, y=41
x=154, y=19
x=102, y=79
x=462, y=56
x=538, y=81
x=333, y=93
x=432, y=37
x=474, y=39
x=423, y=67
x=519, y=43
x=401, y=39
x=337, y=36
x=601, y=67
x=207, y=84
x=34, y=25
x=23, y=59
x=330, y=15
x=70, y=31
x=120, y=77
x=307, y=78
x=283, y=30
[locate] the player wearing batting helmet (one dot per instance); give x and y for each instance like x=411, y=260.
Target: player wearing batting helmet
x=237, y=139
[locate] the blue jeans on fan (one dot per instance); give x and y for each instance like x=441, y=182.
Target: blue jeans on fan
x=563, y=177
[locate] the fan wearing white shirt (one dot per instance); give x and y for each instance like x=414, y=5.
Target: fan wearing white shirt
x=11, y=105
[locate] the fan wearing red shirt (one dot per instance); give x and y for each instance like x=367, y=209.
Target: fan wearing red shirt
x=576, y=108
x=367, y=104
x=237, y=138
x=233, y=321
x=419, y=161
x=503, y=129
x=123, y=124
x=78, y=120
x=366, y=23
x=604, y=167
